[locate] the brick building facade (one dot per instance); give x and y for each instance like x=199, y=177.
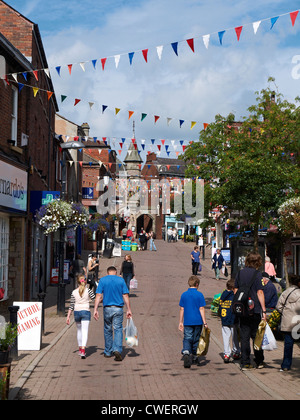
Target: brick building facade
x=28, y=156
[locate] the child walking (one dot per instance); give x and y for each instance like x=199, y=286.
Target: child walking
x=80, y=304
x=191, y=319
x=229, y=325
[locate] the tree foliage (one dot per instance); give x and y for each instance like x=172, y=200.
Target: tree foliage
x=251, y=165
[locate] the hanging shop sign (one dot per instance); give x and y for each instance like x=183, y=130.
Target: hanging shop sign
x=13, y=187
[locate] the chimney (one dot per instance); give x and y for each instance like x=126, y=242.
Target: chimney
x=86, y=129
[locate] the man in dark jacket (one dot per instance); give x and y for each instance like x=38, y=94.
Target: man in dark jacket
x=249, y=324
x=270, y=292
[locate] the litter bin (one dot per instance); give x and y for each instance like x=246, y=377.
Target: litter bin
x=134, y=247
x=107, y=253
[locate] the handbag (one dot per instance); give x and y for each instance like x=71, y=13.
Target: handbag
x=203, y=345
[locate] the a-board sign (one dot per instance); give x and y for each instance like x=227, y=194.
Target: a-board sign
x=29, y=325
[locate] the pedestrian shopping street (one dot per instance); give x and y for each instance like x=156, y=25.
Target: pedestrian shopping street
x=153, y=370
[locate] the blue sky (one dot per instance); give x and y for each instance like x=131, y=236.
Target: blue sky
x=193, y=86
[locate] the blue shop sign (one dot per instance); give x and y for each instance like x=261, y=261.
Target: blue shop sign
x=87, y=193
x=42, y=198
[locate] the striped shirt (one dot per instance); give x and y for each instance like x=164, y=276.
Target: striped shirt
x=78, y=303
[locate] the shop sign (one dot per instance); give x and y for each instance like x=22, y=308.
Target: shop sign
x=29, y=325
x=87, y=193
x=13, y=187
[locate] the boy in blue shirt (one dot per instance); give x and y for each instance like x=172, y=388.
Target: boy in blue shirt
x=191, y=319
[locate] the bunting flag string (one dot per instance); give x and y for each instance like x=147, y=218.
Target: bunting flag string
x=159, y=49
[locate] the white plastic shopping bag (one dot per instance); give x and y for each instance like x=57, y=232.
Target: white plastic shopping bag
x=133, y=284
x=131, y=334
x=269, y=342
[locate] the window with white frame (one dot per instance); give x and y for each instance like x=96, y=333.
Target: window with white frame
x=4, y=248
x=14, y=114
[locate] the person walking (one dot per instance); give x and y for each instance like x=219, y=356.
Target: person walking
x=113, y=292
x=127, y=270
x=92, y=270
x=229, y=324
x=250, y=276
x=289, y=307
x=143, y=239
x=77, y=268
x=270, y=269
x=191, y=319
x=270, y=292
x=151, y=239
x=218, y=262
x=80, y=305
x=195, y=257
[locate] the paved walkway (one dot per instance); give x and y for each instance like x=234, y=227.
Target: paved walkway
x=154, y=370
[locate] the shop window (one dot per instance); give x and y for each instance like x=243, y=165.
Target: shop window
x=4, y=249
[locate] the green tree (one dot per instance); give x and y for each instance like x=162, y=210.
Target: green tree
x=251, y=165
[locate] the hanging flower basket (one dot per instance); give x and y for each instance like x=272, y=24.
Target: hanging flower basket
x=61, y=214
x=289, y=216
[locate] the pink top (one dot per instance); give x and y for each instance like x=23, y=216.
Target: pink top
x=269, y=268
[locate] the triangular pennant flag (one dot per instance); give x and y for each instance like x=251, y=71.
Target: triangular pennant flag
x=143, y=146
x=25, y=76
x=175, y=47
x=58, y=70
x=63, y=98
x=159, y=51
x=94, y=63
x=130, y=114
x=133, y=141
x=168, y=153
x=156, y=118
x=273, y=21
x=293, y=16
x=191, y=44
x=206, y=40
x=167, y=146
x=130, y=55
x=169, y=120
x=20, y=86
x=238, y=32
x=117, y=60
x=15, y=76
x=47, y=71
x=221, y=34
x=77, y=101
x=145, y=54
x=82, y=65
x=178, y=166
x=35, y=91
x=181, y=122
x=168, y=166
x=159, y=146
x=205, y=125
x=183, y=148
x=152, y=141
x=104, y=107
x=91, y=104
x=103, y=61
x=70, y=68
x=256, y=26
x=163, y=141
x=177, y=153
x=49, y=94
x=35, y=72
x=143, y=116
x=117, y=110
x=181, y=142
x=193, y=123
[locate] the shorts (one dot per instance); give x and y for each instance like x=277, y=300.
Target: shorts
x=82, y=316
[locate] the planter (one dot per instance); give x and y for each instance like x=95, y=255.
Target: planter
x=4, y=381
x=4, y=357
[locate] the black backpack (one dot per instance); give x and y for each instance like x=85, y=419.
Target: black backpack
x=240, y=305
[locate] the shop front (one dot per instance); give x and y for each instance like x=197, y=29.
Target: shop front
x=13, y=214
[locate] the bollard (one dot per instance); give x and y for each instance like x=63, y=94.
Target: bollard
x=14, y=321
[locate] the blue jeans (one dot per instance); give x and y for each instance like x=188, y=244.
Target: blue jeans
x=191, y=338
x=152, y=244
x=113, y=329
x=288, y=351
x=127, y=277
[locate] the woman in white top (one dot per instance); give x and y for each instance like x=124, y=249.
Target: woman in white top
x=80, y=304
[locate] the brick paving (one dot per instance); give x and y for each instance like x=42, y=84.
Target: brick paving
x=154, y=370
